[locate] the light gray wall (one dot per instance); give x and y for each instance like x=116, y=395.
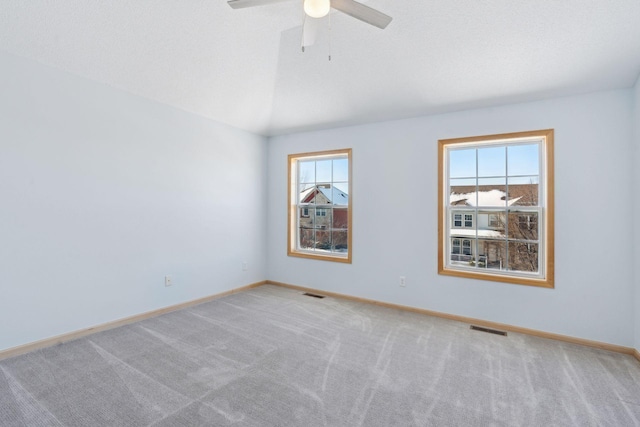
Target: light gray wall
x=104, y=193
x=636, y=198
x=395, y=217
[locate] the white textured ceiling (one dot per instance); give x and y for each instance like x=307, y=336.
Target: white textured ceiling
x=245, y=67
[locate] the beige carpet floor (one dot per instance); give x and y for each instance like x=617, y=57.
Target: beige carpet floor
x=273, y=357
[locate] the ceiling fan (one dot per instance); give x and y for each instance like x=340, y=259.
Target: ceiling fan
x=320, y=8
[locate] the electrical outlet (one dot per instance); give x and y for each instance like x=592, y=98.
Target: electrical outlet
x=403, y=281
x=168, y=281
x=245, y=266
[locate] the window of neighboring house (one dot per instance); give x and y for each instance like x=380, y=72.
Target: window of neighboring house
x=506, y=183
x=455, y=246
x=466, y=247
x=527, y=222
x=457, y=220
x=320, y=190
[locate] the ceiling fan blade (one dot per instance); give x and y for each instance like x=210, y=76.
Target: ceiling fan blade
x=240, y=4
x=361, y=12
x=310, y=30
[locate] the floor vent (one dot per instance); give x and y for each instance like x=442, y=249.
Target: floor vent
x=313, y=295
x=491, y=331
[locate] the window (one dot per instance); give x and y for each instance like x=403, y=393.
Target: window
x=466, y=247
x=458, y=223
x=468, y=221
x=320, y=205
x=495, y=204
x=455, y=248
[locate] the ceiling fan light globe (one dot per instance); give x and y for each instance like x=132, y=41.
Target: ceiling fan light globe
x=317, y=8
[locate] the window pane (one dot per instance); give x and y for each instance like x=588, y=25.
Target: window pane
x=323, y=240
x=307, y=238
x=340, y=218
x=492, y=192
x=526, y=193
x=523, y=226
x=523, y=159
x=306, y=194
x=323, y=171
x=307, y=171
x=462, y=163
x=340, y=241
x=523, y=257
x=462, y=192
x=307, y=217
x=340, y=170
x=492, y=161
x=323, y=194
x=491, y=221
x=339, y=197
x=492, y=254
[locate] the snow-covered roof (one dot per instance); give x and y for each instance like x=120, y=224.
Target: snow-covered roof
x=492, y=198
x=330, y=192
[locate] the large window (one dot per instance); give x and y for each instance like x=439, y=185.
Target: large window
x=320, y=205
x=495, y=203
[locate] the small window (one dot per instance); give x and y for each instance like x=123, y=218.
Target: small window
x=320, y=190
x=495, y=205
x=455, y=246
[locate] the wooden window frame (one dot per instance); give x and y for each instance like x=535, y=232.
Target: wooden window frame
x=292, y=206
x=546, y=204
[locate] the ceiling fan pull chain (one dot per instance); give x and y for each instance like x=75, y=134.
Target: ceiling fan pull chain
x=329, y=36
x=304, y=20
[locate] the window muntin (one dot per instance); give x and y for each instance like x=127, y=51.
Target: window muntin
x=320, y=191
x=496, y=192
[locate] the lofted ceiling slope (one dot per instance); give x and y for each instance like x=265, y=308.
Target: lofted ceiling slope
x=245, y=67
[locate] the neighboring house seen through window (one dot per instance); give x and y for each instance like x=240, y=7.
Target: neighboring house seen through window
x=320, y=205
x=496, y=208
